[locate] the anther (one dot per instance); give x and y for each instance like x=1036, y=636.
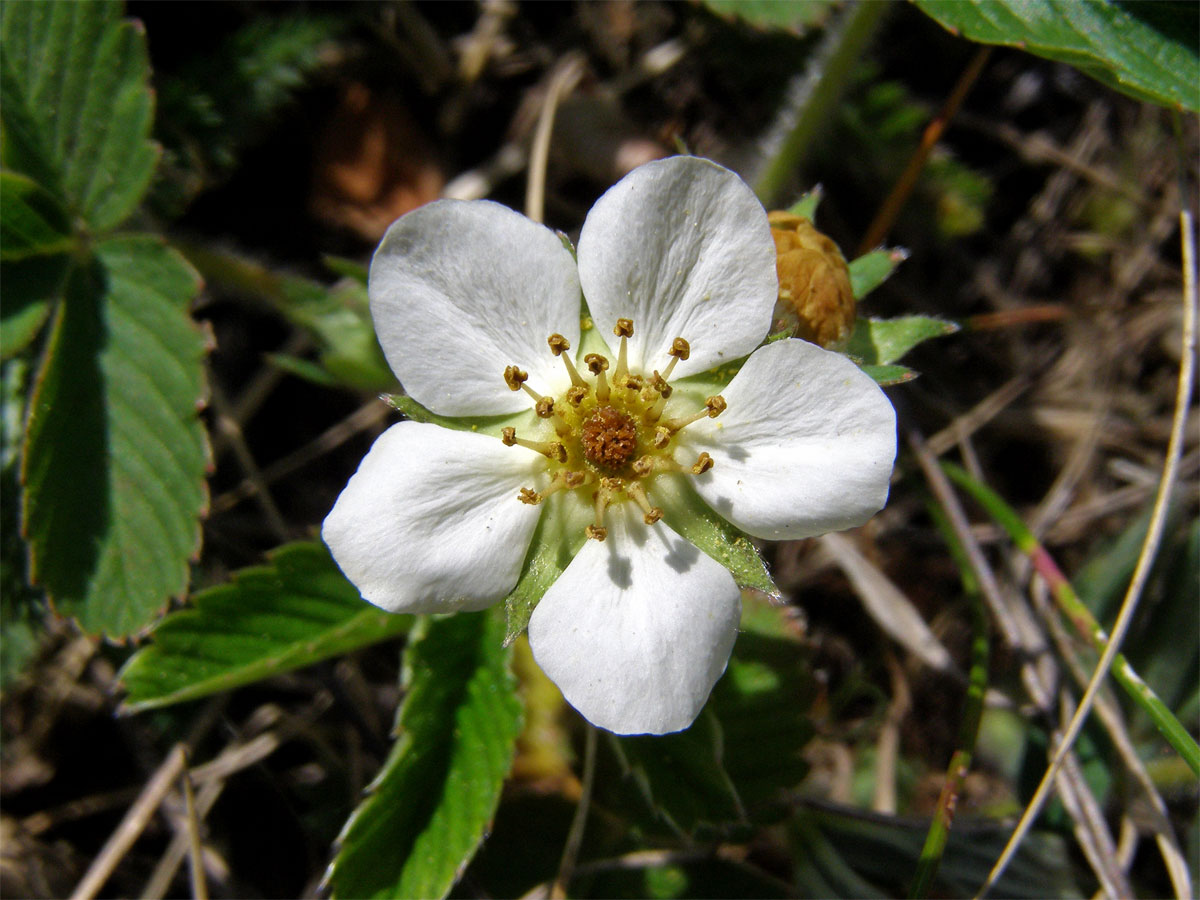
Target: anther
x=533, y=498
x=576, y=394
x=659, y=383
x=680, y=349
x=638, y=493
x=558, y=346
x=662, y=437
x=597, y=364
x=624, y=331
x=514, y=378
x=704, y=462
x=713, y=407
x=642, y=466
x=544, y=407
x=552, y=449
x=596, y=532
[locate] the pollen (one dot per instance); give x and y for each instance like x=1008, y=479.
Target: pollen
x=609, y=438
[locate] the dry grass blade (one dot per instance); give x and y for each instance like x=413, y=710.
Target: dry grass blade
x=1149, y=547
x=562, y=81
x=887, y=605
x=1038, y=673
x=132, y=825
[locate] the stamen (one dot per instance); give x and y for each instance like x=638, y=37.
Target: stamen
x=558, y=346
x=532, y=497
x=544, y=408
x=704, y=462
x=642, y=466
x=596, y=365
x=638, y=493
x=576, y=394
x=552, y=449
x=514, y=378
x=662, y=437
x=623, y=330
x=713, y=407
x=680, y=349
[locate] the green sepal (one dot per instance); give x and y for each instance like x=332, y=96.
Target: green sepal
x=558, y=537
x=806, y=206
x=482, y=424
x=695, y=521
x=872, y=269
x=886, y=376
x=879, y=342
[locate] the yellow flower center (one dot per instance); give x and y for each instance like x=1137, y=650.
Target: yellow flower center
x=611, y=437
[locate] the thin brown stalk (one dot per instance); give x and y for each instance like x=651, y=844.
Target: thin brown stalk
x=1145, y=559
x=131, y=827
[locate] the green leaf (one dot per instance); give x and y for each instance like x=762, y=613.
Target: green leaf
x=681, y=774
x=35, y=240
x=763, y=702
x=886, y=376
x=1146, y=50
x=712, y=774
x=77, y=105
x=872, y=269
x=337, y=317
x=695, y=521
x=31, y=221
x=433, y=801
x=115, y=456
x=878, y=342
x=293, y=612
x=841, y=852
x=798, y=17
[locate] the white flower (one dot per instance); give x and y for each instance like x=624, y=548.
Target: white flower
x=478, y=312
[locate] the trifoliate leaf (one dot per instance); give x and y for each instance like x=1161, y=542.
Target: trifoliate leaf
x=115, y=456
x=77, y=106
x=35, y=243
x=432, y=803
x=294, y=611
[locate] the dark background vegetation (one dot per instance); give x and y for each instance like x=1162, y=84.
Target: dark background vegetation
x=1046, y=223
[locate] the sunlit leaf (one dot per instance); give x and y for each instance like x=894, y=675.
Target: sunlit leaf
x=1146, y=50
x=115, y=456
x=77, y=105
x=35, y=240
x=295, y=611
x=872, y=269
x=433, y=801
x=880, y=342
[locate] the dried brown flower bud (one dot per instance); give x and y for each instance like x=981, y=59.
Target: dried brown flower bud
x=815, y=297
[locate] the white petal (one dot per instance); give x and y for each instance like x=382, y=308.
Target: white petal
x=461, y=289
x=805, y=446
x=682, y=247
x=431, y=522
x=638, y=628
